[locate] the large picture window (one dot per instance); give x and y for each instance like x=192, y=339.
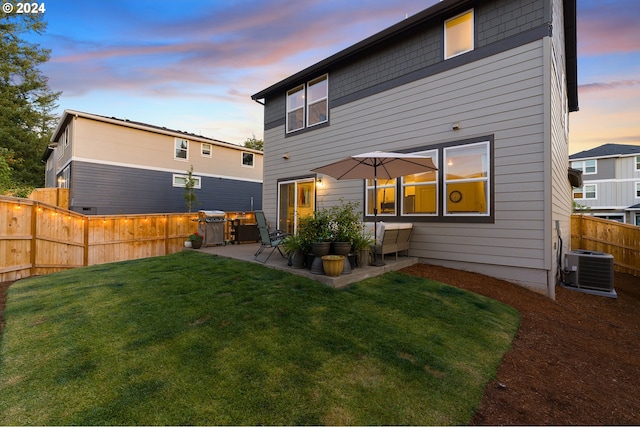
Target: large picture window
x=461, y=190
x=308, y=104
x=458, y=35
x=466, y=171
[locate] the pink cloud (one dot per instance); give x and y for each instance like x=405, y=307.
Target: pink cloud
x=608, y=27
x=593, y=87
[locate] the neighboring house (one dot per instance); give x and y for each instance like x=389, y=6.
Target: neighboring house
x=485, y=88
x=611, y=182
x=114, y=166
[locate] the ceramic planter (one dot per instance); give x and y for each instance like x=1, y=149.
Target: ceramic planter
x=341, y=248
x=333, y=265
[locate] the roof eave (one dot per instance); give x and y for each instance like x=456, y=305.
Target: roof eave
x=390, y=32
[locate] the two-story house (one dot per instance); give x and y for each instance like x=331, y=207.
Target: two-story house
x=611, y=182
x=115, y=166
x=483, y=87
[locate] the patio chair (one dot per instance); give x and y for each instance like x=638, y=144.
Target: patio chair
x=268, y=239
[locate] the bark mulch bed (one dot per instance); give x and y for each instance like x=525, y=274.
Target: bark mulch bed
x=574, y=361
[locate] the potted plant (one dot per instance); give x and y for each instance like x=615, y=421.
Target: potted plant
x=345, y=226
x=315, y=232
x=362, y=247
x=195, y=239
x=293, y=244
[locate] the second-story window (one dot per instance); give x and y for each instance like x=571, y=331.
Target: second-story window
x=637, y=163
x=587, y=167
x=295, y=109
x=458, y=35
x=308, y=104
x=317, y=96
x=205, y=150
x=247, y=159
x=181, y=149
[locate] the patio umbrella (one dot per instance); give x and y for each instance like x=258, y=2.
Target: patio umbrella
x=374, y=165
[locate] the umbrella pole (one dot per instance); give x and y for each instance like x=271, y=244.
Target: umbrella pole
x=375, y=262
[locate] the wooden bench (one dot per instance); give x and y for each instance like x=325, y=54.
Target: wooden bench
x=393, y=237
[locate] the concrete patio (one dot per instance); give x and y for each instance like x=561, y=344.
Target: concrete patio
x=246, y=252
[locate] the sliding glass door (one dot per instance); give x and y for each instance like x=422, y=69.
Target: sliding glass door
x=296, y=199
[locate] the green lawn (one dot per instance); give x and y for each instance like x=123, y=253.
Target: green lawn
x=194, y=339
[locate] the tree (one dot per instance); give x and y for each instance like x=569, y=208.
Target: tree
x=253, y=143
x=26, y=102
x=190, y=198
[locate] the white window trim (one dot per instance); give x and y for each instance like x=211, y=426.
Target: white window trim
x=324, y=77
x=197, y=179
x=175, y=157
x=473, y=34
x=584, y=192
x=434, y=156
x=303, y=107
x=637, y=190
x=486, y=179
x=253, y=161
x=637, y=159
x=583, y=167
x=202, y=153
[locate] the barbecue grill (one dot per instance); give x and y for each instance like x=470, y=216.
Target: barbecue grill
x=211, y=226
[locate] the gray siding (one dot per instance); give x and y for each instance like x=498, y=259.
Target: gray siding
x=559, y=189
x=501, y=96
x=104, y=190
x=419, y=49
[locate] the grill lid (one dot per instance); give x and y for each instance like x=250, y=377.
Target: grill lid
x=211, y=214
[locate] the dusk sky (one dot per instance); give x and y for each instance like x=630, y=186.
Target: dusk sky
x=193, y=65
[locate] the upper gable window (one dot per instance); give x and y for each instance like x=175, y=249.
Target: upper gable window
x=458, y=35
x=181, y=149
x=587, y=167
x=308, y=104
x=247, y=159
x=637, y=163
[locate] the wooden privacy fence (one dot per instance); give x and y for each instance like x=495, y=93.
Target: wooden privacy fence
x=612, y=237
x=52, y=196
x=38, y=238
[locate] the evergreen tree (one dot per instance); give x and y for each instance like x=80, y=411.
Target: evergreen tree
x=26, y=102
x=253, y=143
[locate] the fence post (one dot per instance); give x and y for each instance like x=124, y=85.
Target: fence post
x=85, y=255
x=34, y=236
x=166, y=234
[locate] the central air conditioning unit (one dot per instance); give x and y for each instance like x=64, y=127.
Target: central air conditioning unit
x=590, y=272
